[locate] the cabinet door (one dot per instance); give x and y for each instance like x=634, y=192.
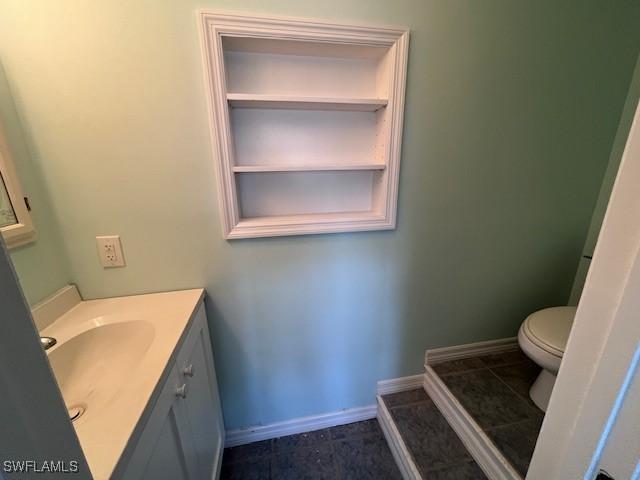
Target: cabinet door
x=165, y=449
x=202, y=403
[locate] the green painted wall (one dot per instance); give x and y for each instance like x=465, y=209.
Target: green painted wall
x=607, y=184
x=512, y=108
x=41, y=265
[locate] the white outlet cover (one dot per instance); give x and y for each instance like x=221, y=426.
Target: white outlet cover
x=110, y=251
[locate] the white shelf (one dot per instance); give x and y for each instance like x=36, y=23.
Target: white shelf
x=309, y=218
x=304, y=168
x=286, y=102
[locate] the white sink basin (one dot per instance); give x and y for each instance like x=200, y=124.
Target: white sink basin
x=110, y=356
x=93, y=366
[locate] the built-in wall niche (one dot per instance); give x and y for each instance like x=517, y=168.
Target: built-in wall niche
x=306, y=122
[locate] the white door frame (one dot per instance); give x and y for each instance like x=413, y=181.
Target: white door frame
x=601, y=360
x=34, y=421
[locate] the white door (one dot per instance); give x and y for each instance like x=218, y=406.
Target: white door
x=593, y=421
x=33, y=418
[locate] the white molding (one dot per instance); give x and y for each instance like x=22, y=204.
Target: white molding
x=396, y=105
x=222, y=143
x=305, y=28
x=398, y=448
x=213, y=26
x=299, y=425
x=444, y=354
x=385, y=387
x=479, y=445
x=48, y=310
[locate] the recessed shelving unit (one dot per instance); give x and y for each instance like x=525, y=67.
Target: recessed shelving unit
x=306, y=120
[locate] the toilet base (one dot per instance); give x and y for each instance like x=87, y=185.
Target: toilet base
x=541, y=389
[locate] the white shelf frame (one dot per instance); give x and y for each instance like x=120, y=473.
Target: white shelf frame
x=214, y=26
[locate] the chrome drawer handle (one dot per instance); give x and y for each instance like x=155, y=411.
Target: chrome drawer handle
x=188, y=371
x=182, y=391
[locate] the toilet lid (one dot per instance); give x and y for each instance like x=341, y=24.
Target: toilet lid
x=550, y=328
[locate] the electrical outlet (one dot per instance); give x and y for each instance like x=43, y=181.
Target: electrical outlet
x=110, y=251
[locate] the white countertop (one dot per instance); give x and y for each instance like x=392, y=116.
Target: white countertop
x=112, y=354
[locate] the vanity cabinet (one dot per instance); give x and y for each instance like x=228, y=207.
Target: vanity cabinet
x=183, y=437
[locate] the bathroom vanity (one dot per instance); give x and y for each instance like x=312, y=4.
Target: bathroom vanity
x=139, y=372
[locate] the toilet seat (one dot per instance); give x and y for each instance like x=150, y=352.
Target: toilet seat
x=549, y=329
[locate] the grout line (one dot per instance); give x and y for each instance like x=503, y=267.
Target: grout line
x=526, y=400
x=441, y=375
x=411, y=404
x=402, y=454
x=497, y=427
x=505, y=383
x=460, y=371
x=273, y=453
x=272, y=465
x=490, y=369
x=508, y=364
x=451, y=465
x=487, y=455
x=505, y=364
x=424, y=471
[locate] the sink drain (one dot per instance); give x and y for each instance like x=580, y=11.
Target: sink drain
x=75, y=412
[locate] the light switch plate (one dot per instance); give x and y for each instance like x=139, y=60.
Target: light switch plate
x=110, y=251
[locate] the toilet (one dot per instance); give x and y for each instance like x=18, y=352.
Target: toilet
x=543, y=337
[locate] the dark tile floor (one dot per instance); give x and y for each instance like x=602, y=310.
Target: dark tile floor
x=436, y=449
x=347, y=452
x=494, y=389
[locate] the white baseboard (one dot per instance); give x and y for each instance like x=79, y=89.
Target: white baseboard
x=437, y=355
x=401, y=384
x=299, y=425
x=398, y=448
x=481, y=448
x=325, y=420
x=46, y=312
